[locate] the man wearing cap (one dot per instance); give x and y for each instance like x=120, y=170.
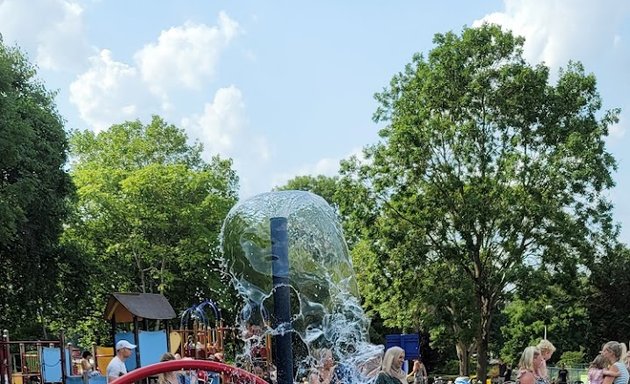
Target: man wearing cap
x=116, y=367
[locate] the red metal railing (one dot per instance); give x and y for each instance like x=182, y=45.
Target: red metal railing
x=236, y=375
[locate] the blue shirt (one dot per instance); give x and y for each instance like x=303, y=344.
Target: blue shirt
x=623, y=373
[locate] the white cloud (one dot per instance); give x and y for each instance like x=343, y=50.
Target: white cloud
x=223, y=129
x=54, y=34
x=559, y=30
x=111, y=92
x=185, y=55
x=222, y=122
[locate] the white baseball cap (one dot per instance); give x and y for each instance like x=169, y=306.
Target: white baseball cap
x=124, y=344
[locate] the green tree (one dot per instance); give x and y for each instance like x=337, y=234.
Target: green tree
x=573, y=358
x=449, y=315
x=321, y=185
x=486, y=166
x=555, y=301
x=607, y=298
x=33, y=191
x=149, y=212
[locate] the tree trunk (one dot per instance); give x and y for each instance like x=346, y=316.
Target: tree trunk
x=485, y=317
x=464, y=358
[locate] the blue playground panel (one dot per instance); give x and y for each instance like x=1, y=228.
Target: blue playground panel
x=74, y=380
x=151, y=346
x=51, y=365
x=96, y=379
x=410, y=343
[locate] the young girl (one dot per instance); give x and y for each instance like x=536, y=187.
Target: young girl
x=596, y=370
x=546, y=350
x=418, y=374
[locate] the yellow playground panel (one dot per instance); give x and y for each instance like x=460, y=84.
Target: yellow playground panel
x=103, y=356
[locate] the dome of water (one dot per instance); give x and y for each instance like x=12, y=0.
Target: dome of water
x=325, y=309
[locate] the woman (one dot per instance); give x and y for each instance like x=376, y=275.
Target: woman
x=168, y=377
x=328, y=371
x=613, y=352
x=418, y=373
x=529, y=367
x=391, y=370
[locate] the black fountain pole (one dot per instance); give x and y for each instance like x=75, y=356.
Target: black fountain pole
x=283, y=351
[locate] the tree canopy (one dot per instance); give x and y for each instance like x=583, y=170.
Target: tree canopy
x=484, y=168
x=149, y=212
x=33, y=189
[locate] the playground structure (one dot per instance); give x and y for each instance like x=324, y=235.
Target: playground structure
x=201, y=340
x=141, y=319
x=199, y=337
x=54, y=361
x=35, y=362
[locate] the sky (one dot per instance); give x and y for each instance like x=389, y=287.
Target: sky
x=285, y=88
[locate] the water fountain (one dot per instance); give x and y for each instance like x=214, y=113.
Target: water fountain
x=285, y=252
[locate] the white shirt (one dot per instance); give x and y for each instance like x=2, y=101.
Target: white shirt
x=115, y=369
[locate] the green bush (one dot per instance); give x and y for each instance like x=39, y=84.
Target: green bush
x=572, y=358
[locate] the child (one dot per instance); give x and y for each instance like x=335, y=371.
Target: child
x=596, y=370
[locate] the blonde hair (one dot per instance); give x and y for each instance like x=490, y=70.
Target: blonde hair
x=162, y=379
x=527, y=358
x=618, y=349
x=546, y=346
x=392, y=354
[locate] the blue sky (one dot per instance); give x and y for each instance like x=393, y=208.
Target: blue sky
x=286, y=87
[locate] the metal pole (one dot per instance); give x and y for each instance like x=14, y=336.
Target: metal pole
x=136, y=325
x=167, y=327
x=283, y=356
x=6, y=360
x=63, y=348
